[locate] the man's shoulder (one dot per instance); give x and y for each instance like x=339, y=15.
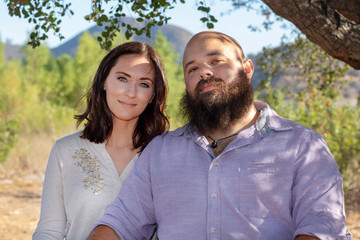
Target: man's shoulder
x=178, y=132
x=169, y=136
x=278, y=123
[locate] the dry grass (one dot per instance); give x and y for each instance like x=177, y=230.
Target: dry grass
x=353, y=223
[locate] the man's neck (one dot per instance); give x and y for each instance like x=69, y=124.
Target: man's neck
x=220, y=138
x=245, y=122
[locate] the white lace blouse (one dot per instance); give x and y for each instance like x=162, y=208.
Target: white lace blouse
x=80, y=181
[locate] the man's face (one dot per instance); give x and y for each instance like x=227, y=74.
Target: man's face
x=208, y=57
x=217, y=79
x=218, y=108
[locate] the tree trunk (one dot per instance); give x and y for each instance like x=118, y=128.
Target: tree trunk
x=324, y=26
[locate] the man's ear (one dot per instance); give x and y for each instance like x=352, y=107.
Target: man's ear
x=248, y=68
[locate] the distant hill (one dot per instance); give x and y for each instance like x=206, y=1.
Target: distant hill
x=12, y=51
x=175, y=35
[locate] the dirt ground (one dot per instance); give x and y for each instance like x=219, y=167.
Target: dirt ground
x=20, y=198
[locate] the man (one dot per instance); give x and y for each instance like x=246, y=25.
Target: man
x=236, y=171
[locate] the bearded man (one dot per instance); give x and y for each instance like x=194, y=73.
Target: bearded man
x=237, y=170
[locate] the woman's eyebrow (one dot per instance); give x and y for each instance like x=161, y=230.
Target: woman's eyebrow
x=121, y=72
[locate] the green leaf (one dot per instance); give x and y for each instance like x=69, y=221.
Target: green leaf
x=204, y=9
x=26, y=15
x=128, y=34
x=105, y=34
x=204, y=19
x=213, y=19
x=38, y=14
x=108, y=45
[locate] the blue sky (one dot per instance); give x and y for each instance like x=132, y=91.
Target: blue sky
x=16, y=31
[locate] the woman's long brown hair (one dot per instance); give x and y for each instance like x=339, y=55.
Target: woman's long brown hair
x=99, y=118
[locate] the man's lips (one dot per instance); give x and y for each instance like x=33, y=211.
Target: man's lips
x=206, y=87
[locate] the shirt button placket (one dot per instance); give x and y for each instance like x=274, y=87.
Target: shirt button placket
x=213, y=215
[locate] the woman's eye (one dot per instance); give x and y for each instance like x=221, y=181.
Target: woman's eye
x=123, y=79
x=145, y=85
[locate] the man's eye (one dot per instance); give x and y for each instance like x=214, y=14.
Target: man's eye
x=193, y=69
x=123, y=79
x=216, y=61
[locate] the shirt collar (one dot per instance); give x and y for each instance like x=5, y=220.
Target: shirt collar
x=270, y=120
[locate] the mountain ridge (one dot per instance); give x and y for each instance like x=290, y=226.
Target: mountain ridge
x=176, y=35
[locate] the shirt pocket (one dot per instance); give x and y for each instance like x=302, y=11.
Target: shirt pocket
x=259, y=188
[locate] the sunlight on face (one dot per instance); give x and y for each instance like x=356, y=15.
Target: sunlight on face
x=208, y=56
x=129, y=87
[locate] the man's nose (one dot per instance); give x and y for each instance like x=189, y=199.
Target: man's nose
x=205, y=71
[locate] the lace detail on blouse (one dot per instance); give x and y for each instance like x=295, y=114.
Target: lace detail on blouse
x=91, y=167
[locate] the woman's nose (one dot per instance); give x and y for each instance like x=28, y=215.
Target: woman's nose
x=131, y=90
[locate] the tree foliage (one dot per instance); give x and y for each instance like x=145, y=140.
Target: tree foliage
x=333, y=25
x=9, y=124
x=174, y=75
x=47, y=17
x=313, y=99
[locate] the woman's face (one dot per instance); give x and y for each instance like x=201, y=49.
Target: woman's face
x=129, y=87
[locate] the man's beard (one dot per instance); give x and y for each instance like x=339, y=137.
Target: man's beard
x=220, y=107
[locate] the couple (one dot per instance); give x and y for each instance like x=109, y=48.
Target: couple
x=237, y=170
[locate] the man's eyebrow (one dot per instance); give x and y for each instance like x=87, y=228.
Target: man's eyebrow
x=189, y=63
x=212, y=53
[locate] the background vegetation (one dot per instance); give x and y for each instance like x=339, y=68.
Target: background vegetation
x=311, y=97
x=39, y=96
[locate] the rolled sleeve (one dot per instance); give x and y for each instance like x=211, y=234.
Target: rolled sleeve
x=318, y=199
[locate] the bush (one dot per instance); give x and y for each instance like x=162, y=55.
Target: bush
x=9, y=131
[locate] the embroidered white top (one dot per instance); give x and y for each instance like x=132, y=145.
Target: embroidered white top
x=80, y=181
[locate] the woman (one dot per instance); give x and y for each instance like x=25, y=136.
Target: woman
x=85, y=171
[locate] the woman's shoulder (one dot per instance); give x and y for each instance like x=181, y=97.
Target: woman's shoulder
x=71, y=139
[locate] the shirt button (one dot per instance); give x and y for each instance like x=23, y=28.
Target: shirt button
x=216, y=164
x=213, y=229
x=213, y=195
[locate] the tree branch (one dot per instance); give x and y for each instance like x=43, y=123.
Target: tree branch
x=348, y=8
x=322, y=25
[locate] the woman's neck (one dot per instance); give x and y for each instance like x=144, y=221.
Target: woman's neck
x=122, y=134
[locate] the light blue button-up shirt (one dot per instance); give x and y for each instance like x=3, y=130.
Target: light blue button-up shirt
x=275, y=180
